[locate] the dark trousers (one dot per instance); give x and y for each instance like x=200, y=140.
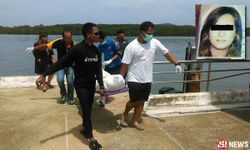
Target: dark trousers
x=86, y=98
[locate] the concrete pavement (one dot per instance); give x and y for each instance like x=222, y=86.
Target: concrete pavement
x=33, y=120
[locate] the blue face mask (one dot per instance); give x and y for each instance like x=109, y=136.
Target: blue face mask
x=148, y=37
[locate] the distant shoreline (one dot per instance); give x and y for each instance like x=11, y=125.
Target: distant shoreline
x=110, y=29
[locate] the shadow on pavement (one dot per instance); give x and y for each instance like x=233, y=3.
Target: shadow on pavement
x=74, y=131
x=242, y=114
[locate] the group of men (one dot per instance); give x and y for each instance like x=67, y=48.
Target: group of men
x=135, y=62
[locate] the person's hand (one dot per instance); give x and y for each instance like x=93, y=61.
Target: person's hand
x=102, y=92
x=29, y=49
x=107, y=62
x=178, y=69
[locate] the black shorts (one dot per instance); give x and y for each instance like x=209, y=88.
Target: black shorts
x=139, y=91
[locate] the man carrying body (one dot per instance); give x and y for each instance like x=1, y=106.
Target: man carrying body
x=86, y=61
x=138, y=63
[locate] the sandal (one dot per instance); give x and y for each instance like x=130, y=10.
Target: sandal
x=137, y=125
x=123, y=122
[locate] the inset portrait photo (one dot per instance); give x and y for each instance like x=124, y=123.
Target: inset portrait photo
x=220, y=31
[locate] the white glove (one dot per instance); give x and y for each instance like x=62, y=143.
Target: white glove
x=29, y=49
x=178, y=69
x=107, y=62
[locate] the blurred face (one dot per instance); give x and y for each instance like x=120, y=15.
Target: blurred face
x=67, y=37
x=44, y=39
x=150, y=31
x=94, y=35
x=222, y=39
x=147, y=35
x=121, y=36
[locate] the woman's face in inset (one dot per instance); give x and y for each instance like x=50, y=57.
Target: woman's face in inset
x=223, y=38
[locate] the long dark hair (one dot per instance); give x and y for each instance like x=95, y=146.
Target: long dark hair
x=41, y=35
x=235, y=48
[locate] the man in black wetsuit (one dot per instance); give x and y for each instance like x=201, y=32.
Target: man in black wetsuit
x=86, y=61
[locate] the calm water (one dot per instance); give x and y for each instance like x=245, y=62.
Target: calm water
x=15, y=62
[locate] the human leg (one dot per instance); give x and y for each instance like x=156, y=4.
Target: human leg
x=137, y=114
x=50, y=77
x=139, y=93
x=70, y=85
x=86, y=98
x=86, y=102
x=124, y=119
x=60, y=81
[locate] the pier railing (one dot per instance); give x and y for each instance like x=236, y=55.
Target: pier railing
x=237, y=72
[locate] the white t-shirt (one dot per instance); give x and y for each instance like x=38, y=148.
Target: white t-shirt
x=140, y=57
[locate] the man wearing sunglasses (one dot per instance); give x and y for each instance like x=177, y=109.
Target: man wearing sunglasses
x=138, y=63
x=86, y=61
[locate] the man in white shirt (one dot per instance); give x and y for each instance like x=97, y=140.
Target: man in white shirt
x=138, y=63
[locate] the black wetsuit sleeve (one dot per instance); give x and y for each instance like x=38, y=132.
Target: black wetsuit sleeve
x=64, y=62
x=99, y=75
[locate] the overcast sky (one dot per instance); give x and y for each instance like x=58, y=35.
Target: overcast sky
x=49, y=12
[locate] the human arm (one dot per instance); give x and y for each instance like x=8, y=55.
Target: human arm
x=41, y=46
x=169, y=56
x=64, y=62
x=111, y=60
x=114, y=50
x=123, y=70
x=126, y=60
x=99, y=75
x=49, y=45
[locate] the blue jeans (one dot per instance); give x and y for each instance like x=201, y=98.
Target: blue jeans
x=70, y=82
x=86, y=98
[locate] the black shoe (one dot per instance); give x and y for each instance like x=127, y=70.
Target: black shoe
x=70, y=102
x=94, y=145
x=62, y=99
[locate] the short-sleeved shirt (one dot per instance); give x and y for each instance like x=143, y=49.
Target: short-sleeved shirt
x=60, y=45
x=140, y=57
x=109, y=50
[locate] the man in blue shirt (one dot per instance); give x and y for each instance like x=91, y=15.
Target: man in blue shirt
x=112, y=60
x=120, y=42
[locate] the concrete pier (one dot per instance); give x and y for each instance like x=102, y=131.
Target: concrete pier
x=33, y=120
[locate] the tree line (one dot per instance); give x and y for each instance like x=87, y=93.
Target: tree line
x=109, y=29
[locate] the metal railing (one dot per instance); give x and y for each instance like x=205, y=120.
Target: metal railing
x=243, y=71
